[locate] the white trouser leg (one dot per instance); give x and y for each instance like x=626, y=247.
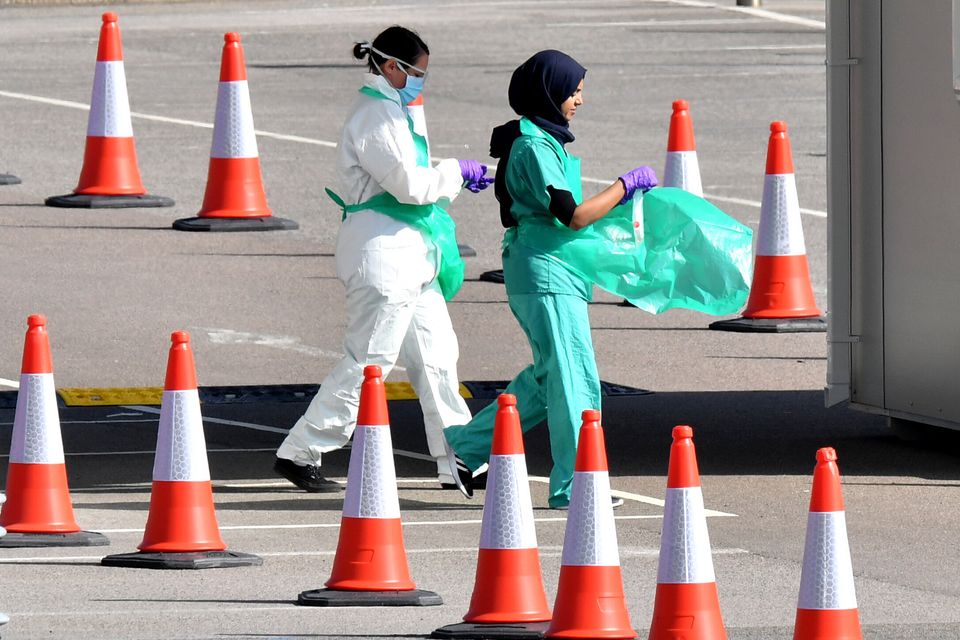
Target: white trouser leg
x=430, y=352
x=383, y=275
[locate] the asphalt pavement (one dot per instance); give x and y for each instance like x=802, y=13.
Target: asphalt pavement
x=266, y=312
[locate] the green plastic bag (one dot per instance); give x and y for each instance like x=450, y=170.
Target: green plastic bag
x=666, y=249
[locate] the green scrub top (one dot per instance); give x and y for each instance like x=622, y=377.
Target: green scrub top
x=537, y=161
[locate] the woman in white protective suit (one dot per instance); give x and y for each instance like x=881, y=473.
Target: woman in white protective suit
x=398, y=259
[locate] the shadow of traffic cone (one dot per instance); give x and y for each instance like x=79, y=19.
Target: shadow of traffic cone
x=687, y=605
x=781, y=296
x=234, y=199
x=181, y=531
x=370, y=567
x=6, y=178
x=110, y=177
x=827, y=606
x=590, y=601
x=38, y=511
x=681, y=169
x=508, y=596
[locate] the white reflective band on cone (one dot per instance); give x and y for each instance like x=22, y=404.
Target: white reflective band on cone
x=781, y=232
x=591, y=534
x=181, y=448
x=109, y=107
x=683, y=172
x=826, y=581
x=233, y=135
x=36, y=425
x=371, y=478
x=685, y=545
x=507, y=508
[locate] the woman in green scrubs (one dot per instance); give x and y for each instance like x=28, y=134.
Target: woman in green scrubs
x=542, y=207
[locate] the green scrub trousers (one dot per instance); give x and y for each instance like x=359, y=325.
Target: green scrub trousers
x=558, y=386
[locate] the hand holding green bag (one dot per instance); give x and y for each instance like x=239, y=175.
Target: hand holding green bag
x=665, y=249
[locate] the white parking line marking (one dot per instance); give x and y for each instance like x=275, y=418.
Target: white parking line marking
x=229, y=423
x=759, y=13
x=333, y=145
x=655, y=23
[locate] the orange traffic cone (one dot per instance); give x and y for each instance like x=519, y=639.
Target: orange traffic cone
x=110, y=177
x=370, y=566
x=781, y=296
x=181, y=531
x=234, y=199
x=827, y=606
x=590, y=601
x=687, y=605
x=38, y=511
x=682, y=170
x=508, y=596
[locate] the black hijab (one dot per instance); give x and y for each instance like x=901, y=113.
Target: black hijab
x=537, y=89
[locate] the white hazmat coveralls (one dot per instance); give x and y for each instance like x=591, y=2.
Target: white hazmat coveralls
x=394, y=305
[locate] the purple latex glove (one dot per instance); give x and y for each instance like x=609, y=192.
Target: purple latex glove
x=471, y=170
x=479, y=185
x=642, y=178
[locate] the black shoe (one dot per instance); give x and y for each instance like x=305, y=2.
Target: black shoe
x=307, y=477
x=462, y=474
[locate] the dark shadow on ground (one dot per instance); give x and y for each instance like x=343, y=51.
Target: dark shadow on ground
x=736, y=433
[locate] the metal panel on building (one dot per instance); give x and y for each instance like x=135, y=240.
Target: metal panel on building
x=894, y=207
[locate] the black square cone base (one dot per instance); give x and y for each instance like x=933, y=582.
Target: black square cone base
x=78, y=539
x=83, y=201
x=495, y=631
x=6, y=178
x=337, y=598
x=185, y=560
x=771, y=325
x=267, y=223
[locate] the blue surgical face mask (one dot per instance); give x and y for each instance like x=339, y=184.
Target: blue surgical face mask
x=414, y=86
x=410, y=91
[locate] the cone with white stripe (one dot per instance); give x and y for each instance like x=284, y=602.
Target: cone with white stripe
x=182, y=530
x=687, y=605
x=590, y=601
x=682, y=170
x=370, y=566
x=827, y=606
x=234, y=199
x=781, y=296
x=110, y=177
x=38, y=511
x=508, y=600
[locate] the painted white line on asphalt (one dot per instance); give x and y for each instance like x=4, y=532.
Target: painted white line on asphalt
x=777, y=47
x=759, y=13
x=13, y=384
x=335, y=525
x=626, y=495
x=548, y=551
x=149, y=452
x=655, y=23
x=286, y=343
x=732, y=200
x=230, y=423
x=62, y=422
x=332, y=145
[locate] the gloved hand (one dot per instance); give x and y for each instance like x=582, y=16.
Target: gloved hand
x=474, y=175
x=642, y=178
